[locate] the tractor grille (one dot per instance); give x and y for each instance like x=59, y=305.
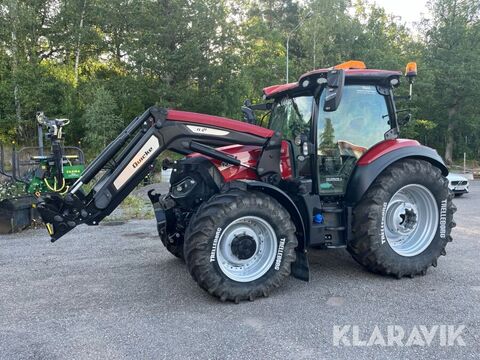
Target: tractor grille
x=461, y=182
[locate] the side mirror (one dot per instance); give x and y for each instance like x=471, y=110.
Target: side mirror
x=334, y=89
x=248, y=114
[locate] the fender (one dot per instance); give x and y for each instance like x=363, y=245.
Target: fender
x=287, y=202
x=382, y=155
x=300, y=268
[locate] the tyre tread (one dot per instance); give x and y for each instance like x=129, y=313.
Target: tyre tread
x=197, y=241
x=365, y=247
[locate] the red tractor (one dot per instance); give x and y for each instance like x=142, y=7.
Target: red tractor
x=246, y=202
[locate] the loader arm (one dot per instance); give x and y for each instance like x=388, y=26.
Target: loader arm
x=123, y=164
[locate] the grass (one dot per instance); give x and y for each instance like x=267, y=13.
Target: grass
x=133, y=207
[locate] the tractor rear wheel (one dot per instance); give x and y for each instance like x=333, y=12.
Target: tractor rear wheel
x=403, y=222
x=240, y=245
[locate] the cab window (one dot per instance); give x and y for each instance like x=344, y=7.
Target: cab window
x=361, y=119
x=292, y=116
x=344, y=135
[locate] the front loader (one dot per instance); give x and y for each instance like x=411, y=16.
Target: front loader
x=246, y=202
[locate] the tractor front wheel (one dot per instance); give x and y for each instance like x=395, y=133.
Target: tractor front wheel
x=403, y=222
x=240, y=245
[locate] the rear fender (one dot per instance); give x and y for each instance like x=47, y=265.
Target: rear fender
x=373, y=162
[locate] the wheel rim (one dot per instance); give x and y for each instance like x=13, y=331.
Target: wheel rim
x=411, y=220
x=246, y=249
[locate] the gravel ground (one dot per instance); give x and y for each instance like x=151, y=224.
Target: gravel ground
x=114, y=292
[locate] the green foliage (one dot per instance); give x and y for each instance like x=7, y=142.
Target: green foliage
x=100, y=63
x=327, y=138
x=134, y=207
x=450, y=60
x=418, y=129
x=10, y=190
x=101, y=121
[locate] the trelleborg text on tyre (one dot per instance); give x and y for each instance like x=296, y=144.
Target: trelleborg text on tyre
x=240, y=245
x=402, y=224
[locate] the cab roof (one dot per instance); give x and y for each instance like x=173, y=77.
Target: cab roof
x=355, y=72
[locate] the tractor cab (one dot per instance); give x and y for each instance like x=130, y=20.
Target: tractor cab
x=331, y=117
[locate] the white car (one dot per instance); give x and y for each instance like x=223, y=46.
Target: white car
x=458, y=184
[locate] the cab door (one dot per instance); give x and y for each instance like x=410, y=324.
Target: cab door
x=344, y=135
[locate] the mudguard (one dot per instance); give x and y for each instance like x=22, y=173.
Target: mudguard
x=285, y=201
x=382, y=155
x=300, y=268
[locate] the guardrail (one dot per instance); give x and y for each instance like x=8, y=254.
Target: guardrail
x=22, y=161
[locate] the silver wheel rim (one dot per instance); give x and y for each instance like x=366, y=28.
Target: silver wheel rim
x=247, y=230
x=411, y=220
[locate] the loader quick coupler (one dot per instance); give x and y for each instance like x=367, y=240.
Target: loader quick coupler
x=118, y=169
x=60, y=214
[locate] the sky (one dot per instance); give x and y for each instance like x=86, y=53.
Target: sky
x=409, y=10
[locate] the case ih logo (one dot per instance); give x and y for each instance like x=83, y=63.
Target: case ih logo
x=143, y=157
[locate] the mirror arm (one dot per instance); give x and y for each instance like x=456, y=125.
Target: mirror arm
x=402, y=98
x=263, y=107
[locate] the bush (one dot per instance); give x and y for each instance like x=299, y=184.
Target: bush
x=10, y=190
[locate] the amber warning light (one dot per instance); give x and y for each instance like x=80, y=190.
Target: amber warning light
x=411, y=70
x=411, y=73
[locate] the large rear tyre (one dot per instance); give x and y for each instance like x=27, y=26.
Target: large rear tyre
x=403, y=222
x=240, y=245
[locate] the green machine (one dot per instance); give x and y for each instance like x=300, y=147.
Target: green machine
x=39, y=170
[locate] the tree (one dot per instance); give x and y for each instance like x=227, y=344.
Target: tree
x=101, y=120
x=327, y=138
x=451, y=58
x=61, y=56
